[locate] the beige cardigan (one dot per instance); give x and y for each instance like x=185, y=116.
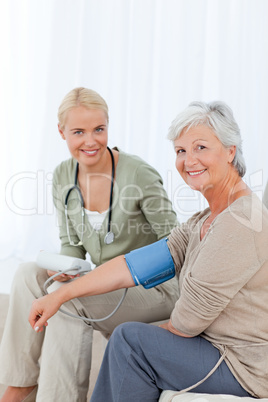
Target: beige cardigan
x=223, y=281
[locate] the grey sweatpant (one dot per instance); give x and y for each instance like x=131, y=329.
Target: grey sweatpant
x=142, y=360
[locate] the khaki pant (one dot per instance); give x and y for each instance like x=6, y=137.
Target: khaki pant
x=63, y=371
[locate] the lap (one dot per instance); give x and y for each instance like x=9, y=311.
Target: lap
x=143, y=305
x=177, y=362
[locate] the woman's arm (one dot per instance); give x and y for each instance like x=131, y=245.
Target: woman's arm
x=217, y=274
x=110, y=276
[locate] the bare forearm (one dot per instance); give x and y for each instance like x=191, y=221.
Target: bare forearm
x=110, y=276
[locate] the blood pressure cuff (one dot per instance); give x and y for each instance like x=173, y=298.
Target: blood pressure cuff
x=151, y=265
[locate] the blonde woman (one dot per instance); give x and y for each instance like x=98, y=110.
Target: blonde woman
x=115, y=202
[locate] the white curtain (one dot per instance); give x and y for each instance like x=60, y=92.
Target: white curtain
x=148, y=59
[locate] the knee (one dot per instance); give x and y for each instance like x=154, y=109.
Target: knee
x=127, y=342
x=128, y=334
x=119, y=345
x=120, y=334
x=25, y=270
x=123, y=330
x=27, y=274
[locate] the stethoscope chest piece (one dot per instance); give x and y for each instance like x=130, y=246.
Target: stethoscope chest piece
x=109, y=238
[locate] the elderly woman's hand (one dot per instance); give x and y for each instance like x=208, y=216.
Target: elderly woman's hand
x=169, y=327
x=42, y=309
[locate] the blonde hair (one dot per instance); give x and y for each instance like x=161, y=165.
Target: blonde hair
x=80, y=97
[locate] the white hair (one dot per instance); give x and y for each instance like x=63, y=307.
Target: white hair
x=219, y=117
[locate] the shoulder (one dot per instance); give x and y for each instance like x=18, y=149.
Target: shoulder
x=64, y=172
x=247, y=213
x=242, y=226
x=191, y=226
x=130, y=159
x=196, y=218
x=135, y=164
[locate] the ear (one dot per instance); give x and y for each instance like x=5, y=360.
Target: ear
x=232, y=151
x=61, y=132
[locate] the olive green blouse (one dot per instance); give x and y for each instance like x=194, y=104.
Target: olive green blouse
x=141, y=212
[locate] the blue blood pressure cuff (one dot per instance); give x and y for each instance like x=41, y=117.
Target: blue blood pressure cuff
x=151, y=265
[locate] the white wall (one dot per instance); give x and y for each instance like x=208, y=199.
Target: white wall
x=148, y=59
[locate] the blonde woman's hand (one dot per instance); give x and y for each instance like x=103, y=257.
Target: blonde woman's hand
x=61, y=277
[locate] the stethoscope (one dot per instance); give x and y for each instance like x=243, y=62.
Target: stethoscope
x=109, y=237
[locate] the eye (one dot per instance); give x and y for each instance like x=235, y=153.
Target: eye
x=200, y=147
x=180, y=151
x=99, y=129
x=78, y=132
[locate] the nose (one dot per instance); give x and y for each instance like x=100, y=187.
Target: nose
x=190, y=159
x=89, y=139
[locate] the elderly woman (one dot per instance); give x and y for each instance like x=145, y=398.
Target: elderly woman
x=216, y=340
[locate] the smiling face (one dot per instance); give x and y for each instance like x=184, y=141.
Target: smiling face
x=86, y=133
x=202, y=161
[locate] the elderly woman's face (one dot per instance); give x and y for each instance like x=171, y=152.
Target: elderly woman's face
x=202, y=160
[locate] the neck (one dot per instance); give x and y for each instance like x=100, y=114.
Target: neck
x=224, y=195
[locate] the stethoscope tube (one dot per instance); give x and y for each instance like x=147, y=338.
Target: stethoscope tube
x=109, y=237
x=49, y=281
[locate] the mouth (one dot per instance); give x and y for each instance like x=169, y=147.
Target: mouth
x=90, y=153
x=196, y=172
